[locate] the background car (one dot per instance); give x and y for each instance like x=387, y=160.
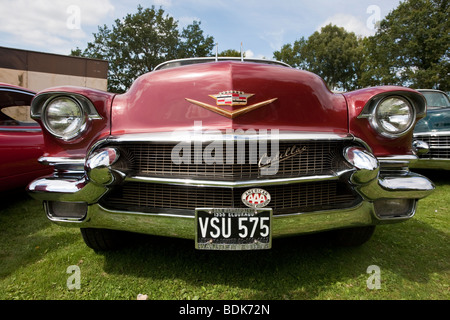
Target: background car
x=21, y=139
x=432, y=133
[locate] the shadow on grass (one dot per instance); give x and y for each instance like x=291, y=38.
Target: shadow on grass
x=23, y=239
x=296, y=267
x=301, y=264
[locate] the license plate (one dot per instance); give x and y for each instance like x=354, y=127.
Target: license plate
x=233, y=229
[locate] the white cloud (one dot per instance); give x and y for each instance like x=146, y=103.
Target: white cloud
x=53, y=26
x=274, y=38
x=164, y=3
x=183, y=22
x=349, y=23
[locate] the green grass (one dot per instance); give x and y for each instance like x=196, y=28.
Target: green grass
x=414, y=259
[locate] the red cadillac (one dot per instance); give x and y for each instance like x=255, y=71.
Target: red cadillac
x=228, y=153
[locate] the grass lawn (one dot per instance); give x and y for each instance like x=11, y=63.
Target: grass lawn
x=413, y=258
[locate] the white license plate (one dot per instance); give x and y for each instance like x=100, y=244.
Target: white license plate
x=233, y=229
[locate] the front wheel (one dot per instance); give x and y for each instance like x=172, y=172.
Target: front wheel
x=352, y=237
x=102, y=239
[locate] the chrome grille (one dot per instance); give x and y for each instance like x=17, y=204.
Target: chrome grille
x=439, y=147
x=288, y=198
x=154, y=159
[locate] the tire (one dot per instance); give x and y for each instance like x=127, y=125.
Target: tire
x=102, y=239
x=353, y=237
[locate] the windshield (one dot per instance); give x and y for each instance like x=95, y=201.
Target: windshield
x=185, y=62
x=436, y=100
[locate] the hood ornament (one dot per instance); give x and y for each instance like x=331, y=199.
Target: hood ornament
x=231, y=98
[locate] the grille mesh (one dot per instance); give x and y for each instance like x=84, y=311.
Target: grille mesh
x=439, y=147
x=289, y=198
x=155, y=159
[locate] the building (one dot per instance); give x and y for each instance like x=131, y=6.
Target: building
x=38, y=70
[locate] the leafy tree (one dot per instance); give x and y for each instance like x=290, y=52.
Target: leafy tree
x=411, y=47
x=230, y=53
x=139, y=42
x=294, y=54
x=333, y=53
x=194, y=43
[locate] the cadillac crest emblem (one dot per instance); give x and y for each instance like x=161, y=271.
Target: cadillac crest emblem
x=231, y=98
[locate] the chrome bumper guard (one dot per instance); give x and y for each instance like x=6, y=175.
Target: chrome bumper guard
x=425, y=151
x=377, y=187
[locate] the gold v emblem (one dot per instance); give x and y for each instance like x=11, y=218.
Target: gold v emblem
x=240, y=99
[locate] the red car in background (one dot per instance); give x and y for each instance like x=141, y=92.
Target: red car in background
x=21, y=139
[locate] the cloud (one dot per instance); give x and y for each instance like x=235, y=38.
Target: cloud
x=274, y=38
x=349, y=23
x=164, y=3
x=51, y=25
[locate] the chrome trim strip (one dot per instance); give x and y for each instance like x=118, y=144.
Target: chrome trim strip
x=432, y=134
x=215, y=59
x=192, y=135
x=236, y=184
x=5, y=129
x=432, y=146
x=400, y=160
x=55, y=161
x=17, y=90
x=397, y=158
x=73, y=190
x=433, y=163
x=406, y=186
x=184, y=226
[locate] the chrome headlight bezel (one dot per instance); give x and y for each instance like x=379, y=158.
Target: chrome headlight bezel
x=68, y=133
x=376, y=120
x=371, y=112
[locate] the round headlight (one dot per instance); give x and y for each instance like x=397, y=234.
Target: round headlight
x=64, y=118
x=394, y=116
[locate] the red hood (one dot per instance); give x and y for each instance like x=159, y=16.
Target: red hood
x=157, y=101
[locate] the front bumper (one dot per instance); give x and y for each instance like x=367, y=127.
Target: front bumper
x=386, y=191
x=437, y=153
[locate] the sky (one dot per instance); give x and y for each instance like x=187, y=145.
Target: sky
x=262, y=26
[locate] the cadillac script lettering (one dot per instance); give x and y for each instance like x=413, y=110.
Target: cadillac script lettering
x=290, y=152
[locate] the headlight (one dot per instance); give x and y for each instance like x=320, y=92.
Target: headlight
x=64, y=117
x=394, y=116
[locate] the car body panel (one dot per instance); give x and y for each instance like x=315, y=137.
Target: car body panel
x=164, y=94
x=21, y=143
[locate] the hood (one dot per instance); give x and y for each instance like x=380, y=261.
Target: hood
x=229, y=95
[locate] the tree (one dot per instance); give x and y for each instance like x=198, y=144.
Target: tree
x=333, y=53
x=294, y=54
x=411, y=47
x=194, y=43
x=230, y=53
x=139, y=42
